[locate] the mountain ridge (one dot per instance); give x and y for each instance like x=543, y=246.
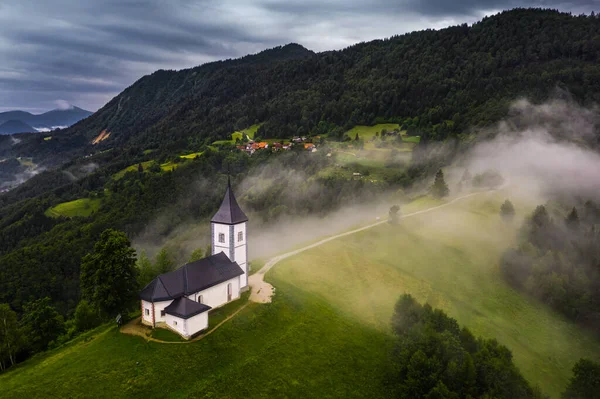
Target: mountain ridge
x=448, y=80
x=47, y=120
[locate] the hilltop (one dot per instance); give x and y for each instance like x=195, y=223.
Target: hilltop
x=15, y=126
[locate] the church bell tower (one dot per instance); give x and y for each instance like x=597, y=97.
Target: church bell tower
x=228, y=228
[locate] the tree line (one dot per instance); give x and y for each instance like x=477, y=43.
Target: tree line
x=558, y=261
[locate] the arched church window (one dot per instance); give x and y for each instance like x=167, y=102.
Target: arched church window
x=221, y=237
x=200, y=299
x=240, y=236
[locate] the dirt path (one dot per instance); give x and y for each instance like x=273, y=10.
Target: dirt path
x=134, y=327
x=263, y=291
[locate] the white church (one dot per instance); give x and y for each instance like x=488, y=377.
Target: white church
x=181, y=300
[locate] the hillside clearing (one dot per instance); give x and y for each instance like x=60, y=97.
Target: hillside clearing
x=132, y=168
x=83, y=207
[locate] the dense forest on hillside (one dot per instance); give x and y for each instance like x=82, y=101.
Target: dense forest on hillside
x=439, y=82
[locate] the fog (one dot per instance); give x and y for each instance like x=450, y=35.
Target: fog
x=540, y=149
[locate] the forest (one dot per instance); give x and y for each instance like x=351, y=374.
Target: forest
x=558, y=262
x=442, y=83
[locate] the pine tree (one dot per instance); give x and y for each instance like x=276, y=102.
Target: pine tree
x=439, y=188
x=163, y=263
x=507, y=211
x=196, y=255
x=572, y=220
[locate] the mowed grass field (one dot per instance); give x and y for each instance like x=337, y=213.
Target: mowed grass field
x=450, y=259
x=81, y=207
x=296, y=347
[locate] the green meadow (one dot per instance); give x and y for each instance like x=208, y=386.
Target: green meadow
x=366, y=133
x=132, y=168
x=450, y=259
x=296, y=347
x=327, y=332
x=82, y=207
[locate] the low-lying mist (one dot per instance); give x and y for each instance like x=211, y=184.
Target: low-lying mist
x=541, y=150
x=544, y=150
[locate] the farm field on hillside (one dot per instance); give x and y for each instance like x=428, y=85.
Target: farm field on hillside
x=297, y=346
x=80, y=207
x=448, y=258
x=248, y=132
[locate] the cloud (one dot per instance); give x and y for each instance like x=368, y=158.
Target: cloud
x=87, y=52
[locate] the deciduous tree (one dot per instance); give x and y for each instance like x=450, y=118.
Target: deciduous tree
x=108, y=274
x=42, y=323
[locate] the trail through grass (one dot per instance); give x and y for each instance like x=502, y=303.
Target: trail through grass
x=449, y=258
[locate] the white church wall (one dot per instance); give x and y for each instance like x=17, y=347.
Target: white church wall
x=147, y=318
x=197, y=323
x=178, y=324
x=217, y=245
x=217, y=295
x=241, y=251
x=159, y=307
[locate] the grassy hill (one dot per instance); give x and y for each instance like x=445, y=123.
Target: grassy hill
x=450, y=259
x=80, y=207
x=327, y=332
x=297, y=347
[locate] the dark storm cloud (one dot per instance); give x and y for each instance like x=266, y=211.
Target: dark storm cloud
x=86, y=52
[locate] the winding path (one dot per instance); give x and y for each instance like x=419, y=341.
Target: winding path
x=261, y=291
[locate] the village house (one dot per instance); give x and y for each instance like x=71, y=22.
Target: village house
x=182, y=299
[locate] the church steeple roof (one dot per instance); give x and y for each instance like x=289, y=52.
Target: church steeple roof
x=229, y=212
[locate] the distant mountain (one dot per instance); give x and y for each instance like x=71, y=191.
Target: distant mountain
x=58, y=118
x=15, y=126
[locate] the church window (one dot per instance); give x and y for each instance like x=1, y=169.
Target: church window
x=162, y=313
x=174, y=322
x=147, y=312
x=200, y=299
x=240, y=236
x=221, y=237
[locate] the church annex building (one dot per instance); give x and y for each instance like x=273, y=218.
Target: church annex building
x=180, y=300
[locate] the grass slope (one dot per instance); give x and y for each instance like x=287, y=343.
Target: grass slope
x=448, y=258
x=132, y=168
x=366, y=133
x=296, y=347
x=82, y=207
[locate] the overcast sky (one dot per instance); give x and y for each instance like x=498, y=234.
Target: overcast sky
x=85, y=52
